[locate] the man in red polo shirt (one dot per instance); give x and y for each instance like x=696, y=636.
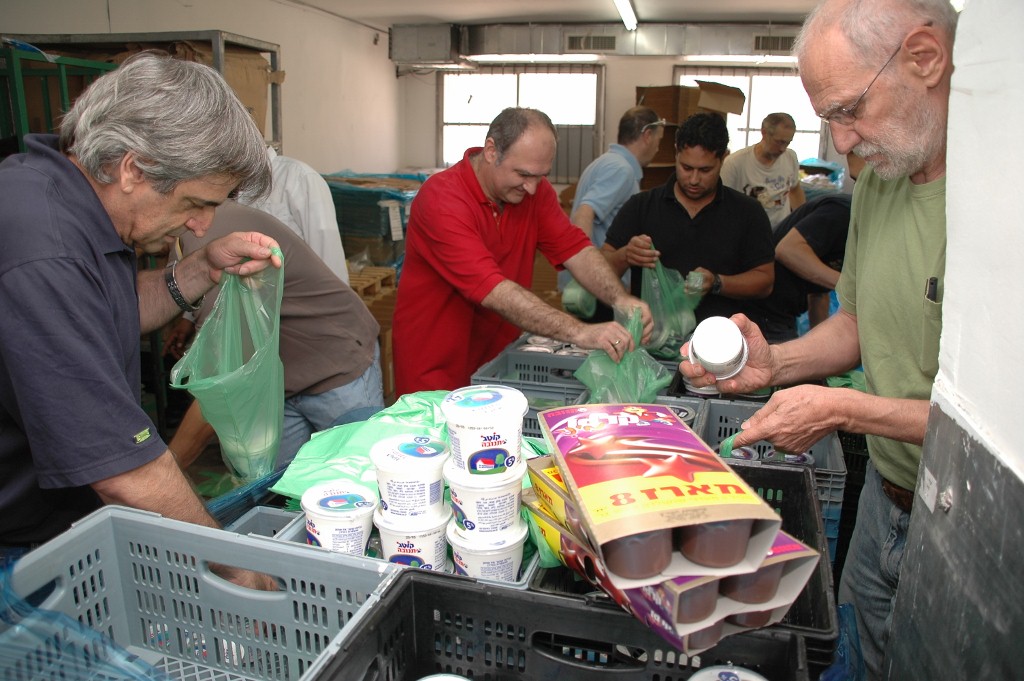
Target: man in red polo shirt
x=473, y=230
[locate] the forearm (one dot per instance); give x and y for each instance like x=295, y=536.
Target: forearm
x=801, y=260
x=897, y=419
x=156, y=306
x=583, y=217
x=616, y=259
x=817, y=308
x=752, y=284
x=522, y=308
x=590, y=268
x=828, y=349
x=157, y=486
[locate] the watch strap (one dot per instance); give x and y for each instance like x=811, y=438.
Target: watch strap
x=172, y=287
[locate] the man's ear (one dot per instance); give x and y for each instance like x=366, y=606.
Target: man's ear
x=929, y=55
x=129, y=174
x=490, y=151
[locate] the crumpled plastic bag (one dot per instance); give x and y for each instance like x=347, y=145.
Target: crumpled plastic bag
x=638, y=377
x=672, y=300
x=234, y=371
x=578, y=301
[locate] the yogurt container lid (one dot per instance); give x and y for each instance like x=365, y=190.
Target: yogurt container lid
x=412, y=450
x=340, y=498
x=726, y=673
x=479, y=405
x=717, y=340
x=535, y=339
x=460, y=477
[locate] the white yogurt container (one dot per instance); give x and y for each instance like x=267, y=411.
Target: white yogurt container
x=719, y=347
x=339, y=516
x=726, y=673
x=409, y=478
x=425, y=548
x=499, y=561
x=485, y=428
x=485, y=506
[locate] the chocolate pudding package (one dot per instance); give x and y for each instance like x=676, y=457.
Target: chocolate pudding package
x=653, y=499
x=692, y=613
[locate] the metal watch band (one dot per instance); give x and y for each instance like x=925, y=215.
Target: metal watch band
x=172, y=286
x=716, y=285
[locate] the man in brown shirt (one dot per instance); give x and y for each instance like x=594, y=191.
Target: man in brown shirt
x=328, y=342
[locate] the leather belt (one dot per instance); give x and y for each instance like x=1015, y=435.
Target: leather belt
x=901, y=497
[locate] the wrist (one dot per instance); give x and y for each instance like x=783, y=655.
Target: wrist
x=176, y=295
x=716, y=285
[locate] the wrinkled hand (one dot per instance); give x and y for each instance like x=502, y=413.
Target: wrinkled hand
x=178, y=337
x=794, y=419
x=756, y=374
x=640, y=252
x=241, y=253
x=611, y=337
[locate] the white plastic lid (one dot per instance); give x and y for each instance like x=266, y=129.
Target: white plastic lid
x=726, y=673
x=483, y=405
x=717, y=340
x=505, y=541
x=411, y=451
x=339, y=498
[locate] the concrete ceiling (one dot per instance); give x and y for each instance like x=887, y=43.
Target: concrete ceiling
x=385, y=13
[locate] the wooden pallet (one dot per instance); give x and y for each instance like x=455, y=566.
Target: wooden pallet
x=370, y=282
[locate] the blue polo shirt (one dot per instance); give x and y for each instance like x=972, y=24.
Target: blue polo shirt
x=70, y=378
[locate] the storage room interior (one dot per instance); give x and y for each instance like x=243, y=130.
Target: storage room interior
x=347, y=106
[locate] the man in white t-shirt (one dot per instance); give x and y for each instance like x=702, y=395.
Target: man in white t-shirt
x=769, y=170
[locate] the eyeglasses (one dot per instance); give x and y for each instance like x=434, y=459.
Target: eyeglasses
x=846, y=115
x=653, y=124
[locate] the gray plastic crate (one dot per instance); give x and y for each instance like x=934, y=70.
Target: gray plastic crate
x=144, y=581
x=295, y=532
x=264, y=521
x=694, y=403
x=722, y=418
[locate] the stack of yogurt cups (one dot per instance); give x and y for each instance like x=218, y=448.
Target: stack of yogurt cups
x=412, y=517
x=485, y=475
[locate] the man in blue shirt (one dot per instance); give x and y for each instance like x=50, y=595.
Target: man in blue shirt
x=613, y=177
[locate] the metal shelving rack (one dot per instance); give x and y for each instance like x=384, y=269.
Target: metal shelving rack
x=218, y=41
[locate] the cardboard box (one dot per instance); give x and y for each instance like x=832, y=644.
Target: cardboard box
x=676, y=103
x=638, y=477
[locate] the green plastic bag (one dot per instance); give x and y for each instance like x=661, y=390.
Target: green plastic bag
x=637, y=378
x=578, y=301
x=672, y=303
x=234, y=371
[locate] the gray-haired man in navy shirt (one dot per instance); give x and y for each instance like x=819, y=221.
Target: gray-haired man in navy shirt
x=147, y=152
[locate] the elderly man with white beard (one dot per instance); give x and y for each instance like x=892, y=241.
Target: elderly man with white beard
x=878, y=71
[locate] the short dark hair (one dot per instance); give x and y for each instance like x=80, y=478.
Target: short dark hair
x=705, y=130
x=774, y=120
x=510, y=124
x=633, y=122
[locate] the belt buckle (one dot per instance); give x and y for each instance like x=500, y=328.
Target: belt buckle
x=901, y=497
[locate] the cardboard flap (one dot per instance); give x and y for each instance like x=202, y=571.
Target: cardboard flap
x=718, y=97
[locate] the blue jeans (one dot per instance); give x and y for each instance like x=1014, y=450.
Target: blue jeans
x=308, y=414
x=871, y=573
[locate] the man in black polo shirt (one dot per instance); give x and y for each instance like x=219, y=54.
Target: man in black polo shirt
x=147, y=152
x=694, y=223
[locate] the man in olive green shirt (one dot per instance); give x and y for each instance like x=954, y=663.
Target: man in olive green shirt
x=884, y=93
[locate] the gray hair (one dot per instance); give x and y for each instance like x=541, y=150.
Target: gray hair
x=508, y=126
x=874, y=27
x=774, y=120
x=180, y=118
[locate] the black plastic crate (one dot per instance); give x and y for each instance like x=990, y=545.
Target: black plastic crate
x=790, y=491
x=428, y=624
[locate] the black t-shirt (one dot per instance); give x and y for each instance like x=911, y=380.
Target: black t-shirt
x=730, y=235
x=70, y=376
x=824, y=223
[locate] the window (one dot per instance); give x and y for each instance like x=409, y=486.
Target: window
x=568, y=93
x=767, y=90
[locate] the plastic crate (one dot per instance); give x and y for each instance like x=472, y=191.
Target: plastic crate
x=263, y=521
x=143, y=580
x=427, y=624
x=295, y=532
x=722, y=418
x=790, y=491
x=694, y=403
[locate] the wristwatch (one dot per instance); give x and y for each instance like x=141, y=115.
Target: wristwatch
x=172, y=288
x=716, y=285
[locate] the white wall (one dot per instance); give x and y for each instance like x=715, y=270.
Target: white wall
x=980, y=375
x=340, y=96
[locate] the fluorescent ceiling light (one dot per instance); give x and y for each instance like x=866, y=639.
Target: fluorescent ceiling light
x=738, y=59
x=534, y=58
x=625, y=8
